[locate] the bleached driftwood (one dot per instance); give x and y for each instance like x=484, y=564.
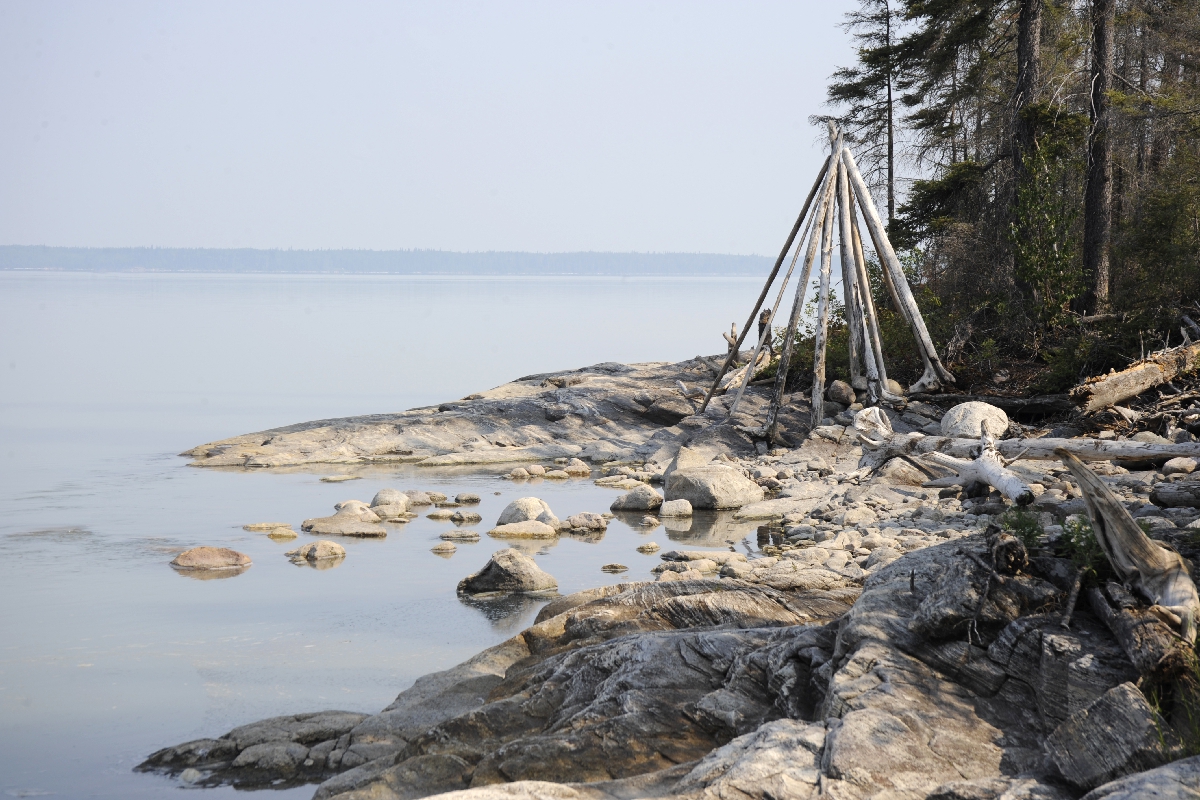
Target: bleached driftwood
x=1155, y=650
x=1157, y=574
x=989, y=467
x=1103, y=391
x=881, y=448
x=822, y=333
x=862, y=347
x=936, y=375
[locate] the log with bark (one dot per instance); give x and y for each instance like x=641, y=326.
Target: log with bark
x=1154, y=650
x=1159, y=575
x=1103, y=391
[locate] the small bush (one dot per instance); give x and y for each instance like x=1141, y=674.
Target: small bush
x=1023, y=524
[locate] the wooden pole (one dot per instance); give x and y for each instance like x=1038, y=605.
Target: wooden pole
x=936, y=374
x=789, y=338
x=770, y=279
x=782, y=287
x=855, y=310
x=860, y=262
x=818, y=387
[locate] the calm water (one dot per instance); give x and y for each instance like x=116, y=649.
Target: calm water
x=107, y=653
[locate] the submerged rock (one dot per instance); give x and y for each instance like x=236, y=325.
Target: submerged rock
x=210, y=558
x=459, y=536
x=529, y=529
x=509, y=571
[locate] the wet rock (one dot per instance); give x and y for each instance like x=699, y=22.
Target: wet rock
x=642, y=498
x=465, y=517
x=558, y=475
x=265, y=527
x=675, y=508
x=529, y=529
x=1117, y=735
x=466, y=498
x=443, y=514
x=339, y=478
x=649, y=547
x=963, y=421
x=527, y=508
x=614, y=568
x=444, y=549
x=509, y=571
x=519, y=474
x=418, y=498
x=323, y=550
x=211, y=558
x=536, y=470
x=650, y=522
x=841, y=392
x=712, y=487
x=577, y=469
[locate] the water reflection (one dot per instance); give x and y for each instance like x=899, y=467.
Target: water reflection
x=506, y=613
x=211, y=574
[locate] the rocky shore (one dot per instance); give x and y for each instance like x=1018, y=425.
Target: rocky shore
x=873, y=645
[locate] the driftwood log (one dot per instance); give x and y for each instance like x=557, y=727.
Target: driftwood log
x=989, y=468
x=1103, y=391
x=1154, y=650
x=880, y=447
x=1157, y=574
x=822, y=333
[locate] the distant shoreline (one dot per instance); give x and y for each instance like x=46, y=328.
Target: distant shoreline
x=32, y=258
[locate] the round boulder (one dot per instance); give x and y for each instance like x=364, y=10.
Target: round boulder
x=509, y=572
x=643, y=498
x=587, y=521
x=524, y=508
x=841, y=392
x=466, y=498
x=389, y=497
x=211, y=558
x=675, y=508
x=313, y=552
x=713, y=486
x=964, y=421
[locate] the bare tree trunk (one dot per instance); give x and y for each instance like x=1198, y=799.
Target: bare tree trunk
x=1097, y=203
x=891, y=129
x=818, y=387
x=1029, y=79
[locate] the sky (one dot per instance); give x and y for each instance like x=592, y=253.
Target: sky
x=468, y=126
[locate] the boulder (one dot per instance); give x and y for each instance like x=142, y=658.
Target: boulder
x=529, y=529
x=211, y=558
x=519, y=474
x=669, y=410
x=526, y=508
x=466, y=498
x=1180, y=466
x=675, y=508
x=510, y=572
x=357, y=509
x=443, y=549
x=348, y=521
x=418, y=498
x=900, y=472
x=536, y=470
x=323, y=550
x=649, y=547
x=1117, y=735
x=587, y=521
x=713, y=486
x=461, y=517
x=393, y=500
x=964, y=420
x=643, y=498
x=895, y=387
x=841, y=392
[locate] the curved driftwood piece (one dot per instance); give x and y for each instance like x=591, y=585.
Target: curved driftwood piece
x=918, y=444
x=988, y=468
x=1159, y=575
x=1103, y=391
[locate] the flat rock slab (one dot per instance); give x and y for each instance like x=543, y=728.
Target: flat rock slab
x=530, y=529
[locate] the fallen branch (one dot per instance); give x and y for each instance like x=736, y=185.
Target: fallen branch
x=1145, y=638
x=1159, y=575
x=1103, y=391
x=988, y=468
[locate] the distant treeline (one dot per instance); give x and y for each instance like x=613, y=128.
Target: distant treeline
x=409, y=262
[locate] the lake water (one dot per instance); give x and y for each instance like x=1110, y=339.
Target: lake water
x=107, y=653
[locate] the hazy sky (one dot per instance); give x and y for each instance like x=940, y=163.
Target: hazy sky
x=557, y=126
